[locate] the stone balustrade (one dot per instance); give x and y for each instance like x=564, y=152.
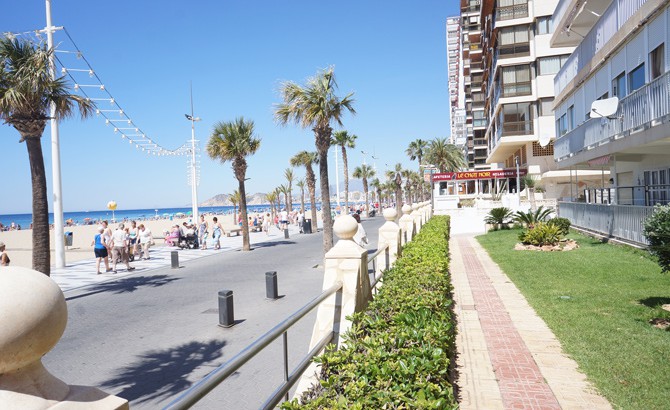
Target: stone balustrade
x=406, y=224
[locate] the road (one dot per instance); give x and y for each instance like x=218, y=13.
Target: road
x=149, y=336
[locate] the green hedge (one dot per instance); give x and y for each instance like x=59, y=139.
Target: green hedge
x=399, y=352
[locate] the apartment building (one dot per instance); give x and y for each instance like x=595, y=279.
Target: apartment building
x=620, y=53
x=458, y=134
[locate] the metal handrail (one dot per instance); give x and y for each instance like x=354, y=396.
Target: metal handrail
x=218, y=375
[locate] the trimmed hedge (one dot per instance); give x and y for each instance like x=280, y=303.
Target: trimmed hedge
x=399, y=352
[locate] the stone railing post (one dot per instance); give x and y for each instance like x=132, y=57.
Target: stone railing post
x=426, y=210
x=416, y=214
x=389, y=234
x=33, y=316
x=346, y=262
x=406, y=224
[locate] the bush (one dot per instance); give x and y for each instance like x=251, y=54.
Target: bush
x=562, y=223
x=531, y=217
x=541, y=234
x=399, y=352
x=497, y=216
x=657, y=231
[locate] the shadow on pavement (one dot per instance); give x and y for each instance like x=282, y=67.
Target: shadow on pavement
x=271, y=244
x=161, y=374
x=126, y=285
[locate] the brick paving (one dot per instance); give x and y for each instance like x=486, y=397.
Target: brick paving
x=508, y=357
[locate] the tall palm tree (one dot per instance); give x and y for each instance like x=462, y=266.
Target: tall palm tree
x=315, y=106
x=407, y=175
x=288, y=174
x=416, y=150
x=28, y=98
x=395, y=176
x=234, y=198
x=271, y=197
x=344, y=140
x=377, y=188
x=301, y=184
x=278, y=192
x=364, y=172
x=446, y=157
x=234, y=141
x=306, y=159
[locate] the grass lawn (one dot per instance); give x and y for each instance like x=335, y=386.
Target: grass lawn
x=598, y=300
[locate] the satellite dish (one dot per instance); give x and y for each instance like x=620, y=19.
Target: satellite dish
x=604, y=108
x=545, y=137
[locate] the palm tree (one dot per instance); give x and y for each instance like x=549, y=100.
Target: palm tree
x=283, y=189
x=306, y=159
x=416, y=150
x=395, y=176
x=530, y=181
x=233, y=141
x=377, y=188
x=28, y=98
x=345, y=140
x=278, y=193
x=446, y=157
x=288, y=174
x=315, y=106
x=271, y=197
x=364, y=172
x=234, y=198
x=407, y=174
x=301, y=184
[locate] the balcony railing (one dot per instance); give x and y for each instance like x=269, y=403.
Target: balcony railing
x=512, y=50
x=512, y=12
x=510, y=128
x=640, y=110
x=517, y=89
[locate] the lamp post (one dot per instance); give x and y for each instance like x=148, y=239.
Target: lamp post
x=194, y=178
x=518, y=192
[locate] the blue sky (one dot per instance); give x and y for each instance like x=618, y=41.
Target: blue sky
x=392, y=54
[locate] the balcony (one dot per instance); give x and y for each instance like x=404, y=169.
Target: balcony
x=641, y=110
x=513, y=128
x=512, y=50
x=517, y=89
x=516, y=11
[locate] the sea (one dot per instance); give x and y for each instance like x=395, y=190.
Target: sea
x=94, y=217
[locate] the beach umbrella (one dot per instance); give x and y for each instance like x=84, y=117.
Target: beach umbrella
x=111, y=205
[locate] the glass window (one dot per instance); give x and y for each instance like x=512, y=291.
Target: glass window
x=545, y=106
x=657, y=62
x=513, y=35
x=516, y=80
x=619, y=85
x=636, y=78
x=544, y=25
x=571, y=117
x=551, y=65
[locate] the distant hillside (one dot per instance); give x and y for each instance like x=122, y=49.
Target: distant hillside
x=223, y=200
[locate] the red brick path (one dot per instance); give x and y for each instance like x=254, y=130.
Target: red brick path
x=521, y=383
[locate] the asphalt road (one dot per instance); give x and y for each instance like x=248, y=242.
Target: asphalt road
x=150, y=336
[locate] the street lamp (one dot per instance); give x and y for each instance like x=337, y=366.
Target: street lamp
x=364, y=155
x=518, y=192
x=194, y=181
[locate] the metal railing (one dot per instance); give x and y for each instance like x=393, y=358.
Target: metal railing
x=372, y=259
x=216, y=377
x=624, y=222
x=639, y=195
x=512, y=12
x=636, y=111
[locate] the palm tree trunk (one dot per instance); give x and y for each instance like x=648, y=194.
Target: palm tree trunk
x=302, y=201
x=346, y=179
x=322, y=145
x=41, y=247
x=365, y=190
x=245, y=220
x=311, y=185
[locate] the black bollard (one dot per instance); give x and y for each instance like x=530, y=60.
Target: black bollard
x=226, y=311
x=271, y=291
x=285, y=233
x=174, y=256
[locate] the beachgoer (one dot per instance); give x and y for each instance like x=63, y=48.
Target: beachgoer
x=283, y=218
x=266, y=224
x=203, y=232
x=4, y=258
x=361, y=238
x=119, y=246
x=133, y=234
x=100, y=250
x=216, y=233
x=107, y=238
x=301, y=220
x=146, y=240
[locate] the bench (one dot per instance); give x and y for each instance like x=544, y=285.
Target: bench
x=231, y=230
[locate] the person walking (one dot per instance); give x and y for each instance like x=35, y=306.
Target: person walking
x=100, y=250
x=146, y=240
x=217, y=231
x=4, y=258
x=266, y=224
x=119, y=248
x=361, y=237
x=133, y=234
x=203, y=232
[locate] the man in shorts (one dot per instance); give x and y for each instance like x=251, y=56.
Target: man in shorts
x=120, y=247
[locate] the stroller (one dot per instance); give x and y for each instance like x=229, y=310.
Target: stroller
x=189, y=241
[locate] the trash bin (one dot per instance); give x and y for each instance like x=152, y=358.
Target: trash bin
x=68, y=238
x=307, y=226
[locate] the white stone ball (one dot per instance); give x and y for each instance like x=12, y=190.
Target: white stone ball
x=406, y=209
x=33, y=315
x=390, y=214
x=415, y=207
x=345, y=227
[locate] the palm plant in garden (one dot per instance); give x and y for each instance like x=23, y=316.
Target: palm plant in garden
x=657, y=231
x=28, y=98
x=344, y=140
x=531, y=217
x=306, y=159
x=365, y=172
x=530, y=181
x=315, y=106
x=288, y=174
x=446, y=157
x=301, y=184
x=499, y=217
x=233, y=141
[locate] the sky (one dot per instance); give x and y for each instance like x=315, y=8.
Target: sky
x=390, y=54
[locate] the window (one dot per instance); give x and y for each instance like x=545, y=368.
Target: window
x=551, y=65
x=545, y=107
x=544, y=25
x=636, y=78
x=562, y=125
x=571, y=117
x=517, y=119
x=619, y=85
x=514, y=41
x=516, y=80
x=657, y=62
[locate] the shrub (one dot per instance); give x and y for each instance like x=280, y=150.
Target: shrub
x=541, y=234
x=498, y=216
x=562, y=223
x=398, y=353
x=531, y=217
x=657, y=231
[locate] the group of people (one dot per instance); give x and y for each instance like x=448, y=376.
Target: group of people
x=135, y=239
x=11, y=227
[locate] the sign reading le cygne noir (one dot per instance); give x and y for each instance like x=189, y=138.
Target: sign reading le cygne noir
x=491, y=174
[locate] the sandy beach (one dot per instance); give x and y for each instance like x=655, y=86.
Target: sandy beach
x=19, y=243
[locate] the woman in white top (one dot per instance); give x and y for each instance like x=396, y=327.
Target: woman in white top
x=145, y=241
x=361, y=237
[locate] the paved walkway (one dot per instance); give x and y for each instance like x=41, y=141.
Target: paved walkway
x=507, y=356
